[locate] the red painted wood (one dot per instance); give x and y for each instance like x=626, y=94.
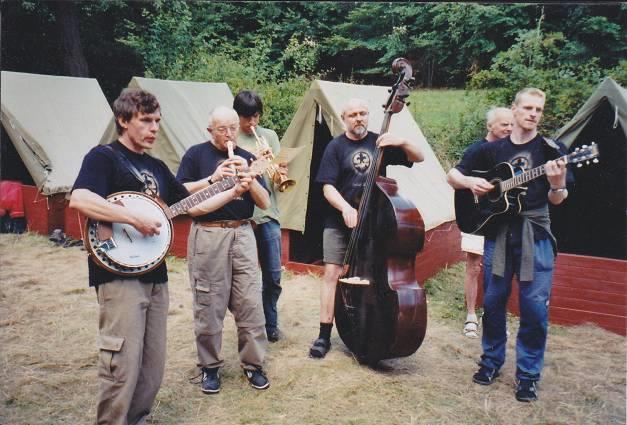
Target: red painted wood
x=584, y=282
x=74, y=223
x=588, y=294
x=285, y=246
x=181, y=225
x=580, y=294
x=35, y=210
x=304, y=268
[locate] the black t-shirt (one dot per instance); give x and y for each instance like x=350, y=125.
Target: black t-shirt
x=523, y=157
x=200, y=161
x=345, y=165
x=103, y=173
x=468, y=157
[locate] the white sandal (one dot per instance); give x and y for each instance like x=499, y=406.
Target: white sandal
x=471, y=329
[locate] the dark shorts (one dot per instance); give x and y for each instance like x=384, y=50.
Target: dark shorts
x=334, y=242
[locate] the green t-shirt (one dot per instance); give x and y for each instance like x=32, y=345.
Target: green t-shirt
x=248, y=142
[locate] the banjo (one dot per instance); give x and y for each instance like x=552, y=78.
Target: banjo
x=121, y=249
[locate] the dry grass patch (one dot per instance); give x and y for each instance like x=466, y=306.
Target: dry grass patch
x=48, y=325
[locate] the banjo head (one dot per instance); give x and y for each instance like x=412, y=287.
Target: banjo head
x=124, y=250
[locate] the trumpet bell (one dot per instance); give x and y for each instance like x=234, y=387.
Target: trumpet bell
x=286, y=184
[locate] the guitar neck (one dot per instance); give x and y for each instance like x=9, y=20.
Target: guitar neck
x=527, y=176
x=188, y=203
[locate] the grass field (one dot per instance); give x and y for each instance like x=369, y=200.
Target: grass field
x=437, y=113
x=48, y=327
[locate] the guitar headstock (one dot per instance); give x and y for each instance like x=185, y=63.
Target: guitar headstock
x=584, y=154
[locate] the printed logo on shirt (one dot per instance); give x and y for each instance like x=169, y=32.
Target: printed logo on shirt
x=361, y=161
x=521, y=162
x=150, y=183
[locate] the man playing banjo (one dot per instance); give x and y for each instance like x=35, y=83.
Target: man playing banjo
x=132, y=308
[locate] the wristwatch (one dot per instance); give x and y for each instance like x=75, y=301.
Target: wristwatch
x=558, y=189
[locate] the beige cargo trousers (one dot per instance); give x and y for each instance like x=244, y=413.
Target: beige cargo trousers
x=132, y=343
x=224, y=273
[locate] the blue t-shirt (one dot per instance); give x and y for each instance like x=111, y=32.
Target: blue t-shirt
x=103, y=173
x=345, y=165
x=199, y=162
x=523, y=157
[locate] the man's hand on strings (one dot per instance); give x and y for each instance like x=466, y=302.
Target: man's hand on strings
x=349, y=214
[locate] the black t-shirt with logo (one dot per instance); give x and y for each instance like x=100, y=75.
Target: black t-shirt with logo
x=200, y=161
x=345, y=165
x=103, y=173
x=522, y=157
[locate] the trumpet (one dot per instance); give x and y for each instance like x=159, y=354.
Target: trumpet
x=280, y=181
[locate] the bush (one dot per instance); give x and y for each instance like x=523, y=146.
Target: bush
x=533, y=61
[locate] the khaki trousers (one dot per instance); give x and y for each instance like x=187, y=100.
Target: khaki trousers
x=132, y=343
x=224, y=273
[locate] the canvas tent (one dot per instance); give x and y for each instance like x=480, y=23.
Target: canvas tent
x=52, y=122
x=315, y=123
x=592, y=222
x=185, y=108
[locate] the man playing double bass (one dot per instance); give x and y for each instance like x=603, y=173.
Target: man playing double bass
x=343, y=171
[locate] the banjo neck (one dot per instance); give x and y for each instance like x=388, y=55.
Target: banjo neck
x=202, y=195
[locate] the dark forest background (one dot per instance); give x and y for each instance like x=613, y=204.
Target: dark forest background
x=277, y=48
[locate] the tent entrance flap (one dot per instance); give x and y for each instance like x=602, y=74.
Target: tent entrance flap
x=592, y=221
x=307, y=247
x=11, y=165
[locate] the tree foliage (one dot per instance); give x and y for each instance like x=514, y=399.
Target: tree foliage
x=276, y=48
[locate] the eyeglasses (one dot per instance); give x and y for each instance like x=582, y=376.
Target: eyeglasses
x=223, y=130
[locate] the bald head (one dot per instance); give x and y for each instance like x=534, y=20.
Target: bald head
x=355, y=117
x=223, y=126
x=354, y=103
x=222, y=113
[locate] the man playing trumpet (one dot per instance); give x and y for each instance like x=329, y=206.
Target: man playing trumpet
x=222, y=255
x=253, y=137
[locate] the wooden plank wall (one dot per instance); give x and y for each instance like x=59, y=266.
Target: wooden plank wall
x=585, y=290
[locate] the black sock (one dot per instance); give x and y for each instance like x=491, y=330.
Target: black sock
x=325, y=331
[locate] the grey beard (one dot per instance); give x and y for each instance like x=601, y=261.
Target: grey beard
x=360, y=131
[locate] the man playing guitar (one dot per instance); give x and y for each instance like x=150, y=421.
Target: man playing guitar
x=523, y=245
x=132, y=308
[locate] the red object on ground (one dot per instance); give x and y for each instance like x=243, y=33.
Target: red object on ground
x=11, y=198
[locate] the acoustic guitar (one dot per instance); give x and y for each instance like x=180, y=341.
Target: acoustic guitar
x=476, y=214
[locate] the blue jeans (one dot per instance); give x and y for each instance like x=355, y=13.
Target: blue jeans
x=268, y=237
x=534, y=309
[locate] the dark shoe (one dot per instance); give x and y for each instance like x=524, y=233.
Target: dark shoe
x=257, y=378
x=485, y=376
x=274, y=335
x=526, y=391
x=320, y=348
x=210, y=383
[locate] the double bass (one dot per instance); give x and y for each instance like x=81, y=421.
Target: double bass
x=380, y=309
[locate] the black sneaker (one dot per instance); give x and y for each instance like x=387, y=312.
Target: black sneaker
x=257, y=378
x=526, y=391
x=485, y=376
x=210, y=382
x=274, y=335
x=319, y=348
